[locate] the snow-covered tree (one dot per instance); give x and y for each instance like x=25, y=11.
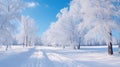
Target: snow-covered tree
x=85, y=22
x=64, y=31
x=28, y=31
x=53, y=36
x=98, y=21
x=9, y=12
x=38, y=41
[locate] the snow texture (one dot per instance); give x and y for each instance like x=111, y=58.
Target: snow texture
x=94, y=56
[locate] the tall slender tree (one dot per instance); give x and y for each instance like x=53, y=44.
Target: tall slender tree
x=28, y=31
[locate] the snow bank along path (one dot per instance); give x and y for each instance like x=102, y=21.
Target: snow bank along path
x=58, y=57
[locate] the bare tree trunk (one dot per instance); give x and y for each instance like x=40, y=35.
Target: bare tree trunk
x=110, y=49
x=7, y=47
x=23, y=44
x=26, y=41
x=63, y=46
x=78, y=46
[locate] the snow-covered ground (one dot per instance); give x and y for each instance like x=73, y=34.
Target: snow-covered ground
x=42, y=56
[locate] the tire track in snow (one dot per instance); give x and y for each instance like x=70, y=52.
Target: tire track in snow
x=32, y=63
x=45, y=61
x=60, y=60
x=38, y=59
x=34, y=60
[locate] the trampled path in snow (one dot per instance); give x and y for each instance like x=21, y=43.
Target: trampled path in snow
x=42, y=56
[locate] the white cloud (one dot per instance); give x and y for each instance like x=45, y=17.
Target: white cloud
x=32, y=4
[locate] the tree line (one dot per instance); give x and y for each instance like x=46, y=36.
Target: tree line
x=86, y=22
x=11, y=18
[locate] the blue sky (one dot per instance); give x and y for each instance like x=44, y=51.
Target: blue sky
x=45, y=11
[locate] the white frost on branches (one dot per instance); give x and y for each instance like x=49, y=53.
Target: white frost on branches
x=10, y=11
x=28, y=31
x=84, y=22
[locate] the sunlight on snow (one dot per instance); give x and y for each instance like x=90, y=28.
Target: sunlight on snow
x=58, y=57
x=38, y=54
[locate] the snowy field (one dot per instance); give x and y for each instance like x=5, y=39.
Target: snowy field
x=87, y=56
